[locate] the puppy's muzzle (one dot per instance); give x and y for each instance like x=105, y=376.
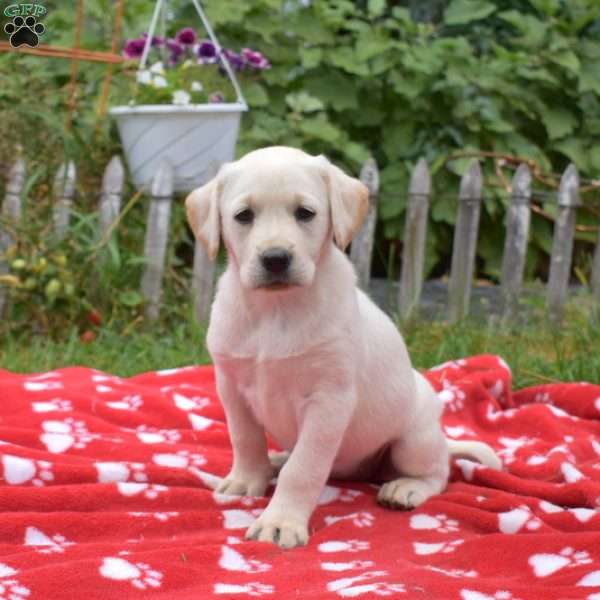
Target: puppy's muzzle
x=276, y=262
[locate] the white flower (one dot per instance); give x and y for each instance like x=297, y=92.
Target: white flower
x=157, y=68
x=181, y=97
x=197, y=86
x=144, y=77
x=186, y=64
x=160, y=82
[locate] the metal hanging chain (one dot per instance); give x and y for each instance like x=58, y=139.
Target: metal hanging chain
x=213, y=38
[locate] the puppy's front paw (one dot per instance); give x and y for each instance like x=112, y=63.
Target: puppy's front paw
x=286, y=532
x=236, y=484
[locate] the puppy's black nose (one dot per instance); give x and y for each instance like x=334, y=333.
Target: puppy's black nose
x=276, y=260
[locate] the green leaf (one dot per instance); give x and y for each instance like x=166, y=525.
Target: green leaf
x=589, y=80
x=304, y=103
x=255, y=94
x=130, y=298
x=558, y=122
x=337, y=90
x=532, y=29
x=575, y=149
x=460, y=12
x=311, y=57
x=567, y=59
x=376, y=7
x=370, y=45
x=320, y=128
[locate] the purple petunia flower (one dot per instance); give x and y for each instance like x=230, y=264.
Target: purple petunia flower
x=255, y=59
x=157, y=42
x=216, y=98
x=235, y=60
x=186, y=36
x=207, y=53
x=134, y=48
x=176, y=50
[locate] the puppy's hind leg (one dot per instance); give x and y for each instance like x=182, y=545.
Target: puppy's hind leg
x=421, y=458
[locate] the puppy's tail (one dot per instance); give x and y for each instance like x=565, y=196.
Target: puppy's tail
x=478, y=451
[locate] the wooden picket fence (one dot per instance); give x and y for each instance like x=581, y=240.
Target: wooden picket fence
x=413, y=259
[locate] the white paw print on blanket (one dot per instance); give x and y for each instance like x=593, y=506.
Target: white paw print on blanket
x=345, y=546
x=360, y=519
x=452, y=396
x=131, y=403
x=240, y=519
x=591, y=580
x=60, y=436
x=42, y=386
x=190, y=403
x=547, y=564
x=424, y=549
x=153, y=435
x=11, y=588
x=159, y=516
x=351, y=587
x=232, y=560
x=439, y=522
x=179, y=460
x=19, y=470
x=139, y=574
x=511, y=446
x=46, y=544
x=351, y=565
x=455, y=573
x=514, y=520
x=54, y=405
x=251, y=589
x=500, y=595
x=150, y=491
x=112, y=472
x=451, y=364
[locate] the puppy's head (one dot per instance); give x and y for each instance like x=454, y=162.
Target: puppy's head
x=277, y=209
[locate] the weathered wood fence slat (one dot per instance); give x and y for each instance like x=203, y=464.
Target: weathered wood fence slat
x=515, y=245
x=465, y=242
x=413, y=259
x=361, y=251
x=415, y=231
x=157, y=235
x=562, y=246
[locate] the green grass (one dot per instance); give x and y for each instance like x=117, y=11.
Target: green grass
x=537, y=351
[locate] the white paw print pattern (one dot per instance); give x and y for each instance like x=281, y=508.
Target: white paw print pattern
x=11, y=589
x=60, y=436
x=439, y=523
x=18, y=470
x=424, y=549
x=44, y=543
x=152, y=435
x=111, y=472
x=456, y=573
x=452, y=396
x=499, y=595
x=511, y=446
x=150, y=491
x=159, y=516
x=232, y=560
x=140, y=575
x=542, y=398
x=190, y=403
x=451, y=364
x=251, y=589
x=345, y=546
x=42, y=386
x=547, y=564
x=360, y=519
x=351, y=587
x=332, y=494
x=351, y=565
x=516, y=519
x=179, y=460
x=131, y=403
x=54, y=405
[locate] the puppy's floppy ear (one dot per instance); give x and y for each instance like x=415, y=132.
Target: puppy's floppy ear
x=348, y=201
x=202, y=207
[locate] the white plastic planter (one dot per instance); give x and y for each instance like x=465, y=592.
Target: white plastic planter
x=195, y=139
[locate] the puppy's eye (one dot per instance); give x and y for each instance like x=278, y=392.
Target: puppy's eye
x=245, y=216
x=304, y=214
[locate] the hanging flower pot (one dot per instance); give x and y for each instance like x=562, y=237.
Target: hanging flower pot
x=184, y=108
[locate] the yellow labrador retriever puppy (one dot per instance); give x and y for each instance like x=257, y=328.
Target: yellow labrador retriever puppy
x=301, y=354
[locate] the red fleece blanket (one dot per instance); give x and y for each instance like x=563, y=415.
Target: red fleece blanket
x=103, y=495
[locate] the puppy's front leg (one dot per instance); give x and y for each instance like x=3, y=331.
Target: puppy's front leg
x=301, y=480
x=251, y=470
